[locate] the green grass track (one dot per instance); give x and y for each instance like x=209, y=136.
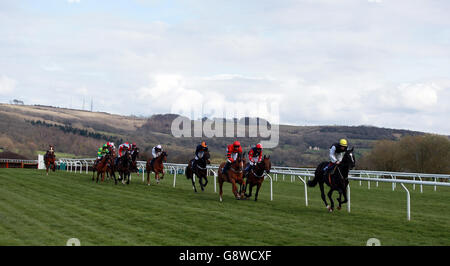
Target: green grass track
x=36, y=209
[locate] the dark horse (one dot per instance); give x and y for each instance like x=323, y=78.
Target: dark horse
x=101, y=167
x=157, y=167
x=336, y=180
x=256, y=176
x=124, y=167
x=110, y=170
x=234, y=175
x=200, y=171
x=49, y=160
x=134, y=157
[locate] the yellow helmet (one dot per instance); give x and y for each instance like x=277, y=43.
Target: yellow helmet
x=343, y=142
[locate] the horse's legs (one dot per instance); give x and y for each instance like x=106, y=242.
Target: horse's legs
x=148, y=177
x=330, y=193
x=250, y=190
x=114, y=176
x=220, y=189
x=193, y=183
x=201, y=183
x=258, y=186
x=206, y=181
x=339, y=199
x=322, y=194
x=234, y=188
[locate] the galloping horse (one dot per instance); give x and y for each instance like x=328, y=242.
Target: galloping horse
x=134, y=157
x=124, y=167
x=49, y=160
x=256, y=176
x=157, y=167
x=110, y=171
x=200, y=171
x=101, y=167
x=337, y=180
x=234, y=175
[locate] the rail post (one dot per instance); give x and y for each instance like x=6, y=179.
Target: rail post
x=306, y=190
x=408, y=203
x=348, y=198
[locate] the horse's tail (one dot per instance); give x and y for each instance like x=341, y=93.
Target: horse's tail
x=313, y=183
x=317, y=175
x=188, y=172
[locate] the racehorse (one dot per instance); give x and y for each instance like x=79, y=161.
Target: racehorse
x=200, y=171
x=134, y=157
x=256, y=176
x=110, y=171
x=124, y=166
x=234, y=175
x=336, y=180
x=49, y=160
x=101, y=167
x=157, y=167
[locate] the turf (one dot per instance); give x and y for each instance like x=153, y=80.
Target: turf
x=36, y=209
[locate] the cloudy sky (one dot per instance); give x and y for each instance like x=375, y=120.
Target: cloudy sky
x=323, y=62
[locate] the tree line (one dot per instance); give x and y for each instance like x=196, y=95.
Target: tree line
x=421, y=154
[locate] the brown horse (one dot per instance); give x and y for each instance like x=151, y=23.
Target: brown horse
x=235, y=174
x=199, y=170
x=101, y=167
x=157, y=167
x=110, y=171
x=134, y=157
x=49, y=160
x=255, y=176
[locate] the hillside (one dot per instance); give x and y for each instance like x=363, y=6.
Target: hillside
x=26, y=130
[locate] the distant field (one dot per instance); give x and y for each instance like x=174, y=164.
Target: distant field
x=48, y=210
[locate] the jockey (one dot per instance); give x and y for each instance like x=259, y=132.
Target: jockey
x=337, y=151
x=51, y=150
x=102, y=151
x=199, y=152
x=156, y=152
x=232, y=152
x=133, y=148
x=122, y=149
x=111, y=146
x=254, y=157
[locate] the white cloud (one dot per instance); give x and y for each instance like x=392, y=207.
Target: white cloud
x=363, y=64
x=73, y=1
x=7, y=85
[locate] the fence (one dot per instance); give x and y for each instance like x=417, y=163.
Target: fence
x=302, y=174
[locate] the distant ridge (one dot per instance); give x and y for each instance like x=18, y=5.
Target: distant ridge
x=81, y=132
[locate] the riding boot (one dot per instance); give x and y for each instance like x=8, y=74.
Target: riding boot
x=247, y=169
x=225, y=168
x=152, y=162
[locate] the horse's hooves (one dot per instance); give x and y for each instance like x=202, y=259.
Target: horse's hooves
x=339, y=208
x=330, y=209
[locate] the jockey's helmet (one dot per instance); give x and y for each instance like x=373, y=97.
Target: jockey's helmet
x=159, y=147
x=343, y=142
x=236, y=144
x=259, y=146
x=204, y=144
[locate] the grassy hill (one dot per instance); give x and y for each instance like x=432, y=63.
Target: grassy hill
x=36, y=209
x=27, y=130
